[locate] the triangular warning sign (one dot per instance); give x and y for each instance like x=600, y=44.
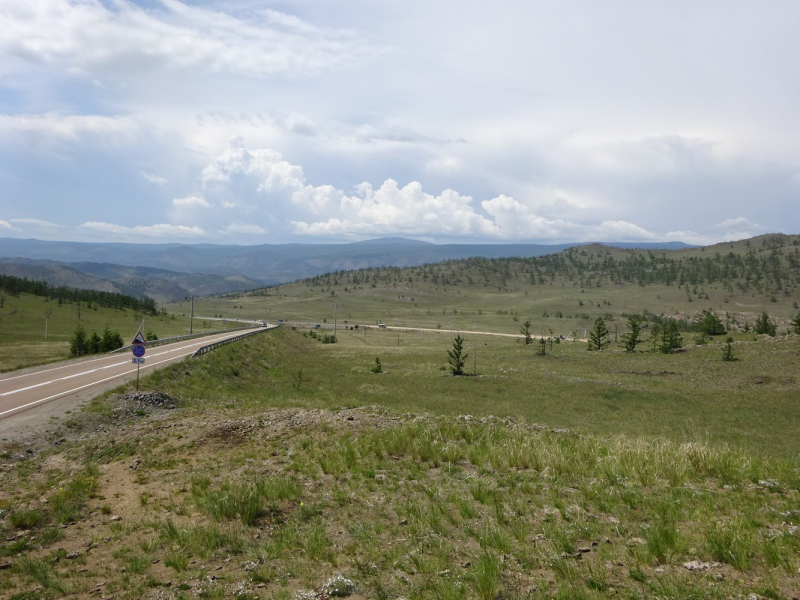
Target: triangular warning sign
x=139, y=339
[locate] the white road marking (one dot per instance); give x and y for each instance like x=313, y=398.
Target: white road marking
x=201, y=342
x=77, y=389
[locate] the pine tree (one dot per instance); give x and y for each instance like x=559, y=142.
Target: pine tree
x=727, y=351
x=796, y=324
x=93, y=345
x=710, y=324
x=110, y=341
x=526, y=331
x=598, y=336
x=671, y=338
x=655, y=335
x=630, y=339
x=78, y=345
x=457, y=356
x=764, y=325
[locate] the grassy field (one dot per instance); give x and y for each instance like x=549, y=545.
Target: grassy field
x=23, y=320
x=290, y=470
x=689, y=396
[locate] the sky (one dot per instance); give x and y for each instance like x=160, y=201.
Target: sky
x=251, y=121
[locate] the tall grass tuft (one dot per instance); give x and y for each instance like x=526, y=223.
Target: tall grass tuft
x=486, y=576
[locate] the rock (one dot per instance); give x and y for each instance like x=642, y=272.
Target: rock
x=696, y=565
x=636, y=541
x=75, y=554
x=114, y=519
x=584, y=550
x=5, y=565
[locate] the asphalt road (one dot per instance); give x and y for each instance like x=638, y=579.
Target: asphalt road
x=19, y=392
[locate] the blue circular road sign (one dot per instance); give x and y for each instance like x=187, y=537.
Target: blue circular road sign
x=138, y=350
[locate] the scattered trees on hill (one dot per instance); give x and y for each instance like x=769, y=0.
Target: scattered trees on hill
x=457, y=356
x=773, y=269
x=14, y=286
x=598, y=336
x=796, y=324
x=765, y=326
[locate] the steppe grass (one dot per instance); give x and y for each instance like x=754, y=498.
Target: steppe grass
x=573, y=475
x=542, y=513
x=689, y=396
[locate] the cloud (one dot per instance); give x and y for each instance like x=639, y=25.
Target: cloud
x=615, y=231
x=244, y=228
x=158, y=230
x=155, y=178
x=37, y=222
x=89, y=36
x=408, y=210
x=6, y=225
x=737, y=229
x=67, y=126
x=191, y=201
x=275, y=188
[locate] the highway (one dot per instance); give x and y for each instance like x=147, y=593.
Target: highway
x=19, y=392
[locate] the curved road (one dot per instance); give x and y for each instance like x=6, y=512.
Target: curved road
x=19, y=392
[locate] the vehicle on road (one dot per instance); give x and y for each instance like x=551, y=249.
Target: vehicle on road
x=382, y=325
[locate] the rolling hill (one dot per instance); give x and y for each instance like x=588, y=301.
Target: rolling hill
x=160, y=284
x=271, y=264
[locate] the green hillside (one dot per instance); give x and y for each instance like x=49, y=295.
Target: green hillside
x=562, y=292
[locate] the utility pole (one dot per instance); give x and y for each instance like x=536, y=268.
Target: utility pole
x=191, y=317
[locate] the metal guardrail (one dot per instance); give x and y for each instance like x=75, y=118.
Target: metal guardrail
x=203, y=349
x=181, y=338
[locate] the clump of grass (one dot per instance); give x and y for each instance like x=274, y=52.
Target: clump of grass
x=730, y=543
x=177, y=560
x=486, y=576
x=245, y=501
x=40, y=572
x=662, y=536
x=316, y=542
x=26, y=519
x=68, y=502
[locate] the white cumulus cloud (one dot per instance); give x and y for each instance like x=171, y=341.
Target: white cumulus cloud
x=155, y=178
x=408, y=210
x=191, y=201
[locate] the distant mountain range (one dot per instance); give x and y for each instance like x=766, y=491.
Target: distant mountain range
x=172, y=271
x=159, y=284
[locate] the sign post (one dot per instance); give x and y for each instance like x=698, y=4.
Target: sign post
x=138, y=354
